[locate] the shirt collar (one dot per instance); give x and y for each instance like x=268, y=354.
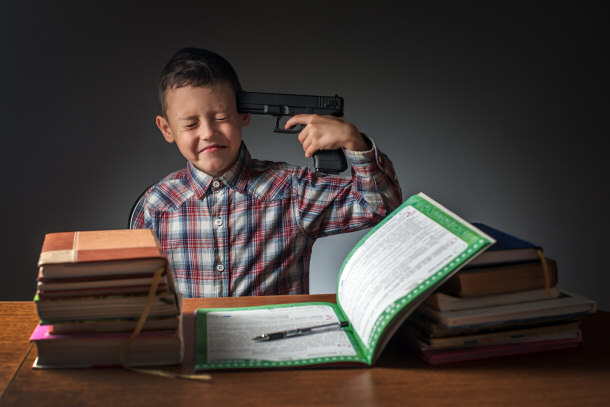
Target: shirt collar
x=236, y=177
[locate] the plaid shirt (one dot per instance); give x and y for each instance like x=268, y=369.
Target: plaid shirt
x=251, y=231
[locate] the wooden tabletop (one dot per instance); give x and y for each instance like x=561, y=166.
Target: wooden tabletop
x=19, y=320
x=556, y=378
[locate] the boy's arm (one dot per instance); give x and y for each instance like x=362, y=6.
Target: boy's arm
x=331, y=204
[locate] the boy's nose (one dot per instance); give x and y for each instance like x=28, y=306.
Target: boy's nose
x=206, y=130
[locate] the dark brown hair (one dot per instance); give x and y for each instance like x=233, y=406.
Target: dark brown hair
x=195, y=67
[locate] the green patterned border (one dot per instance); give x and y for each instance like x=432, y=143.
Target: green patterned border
x=262, y=364
x=201, y=345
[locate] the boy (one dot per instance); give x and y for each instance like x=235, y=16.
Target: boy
x=232, y=225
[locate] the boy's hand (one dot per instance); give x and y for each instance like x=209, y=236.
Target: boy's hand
x=327, y=133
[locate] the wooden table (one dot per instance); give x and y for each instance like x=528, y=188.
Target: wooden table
x=558, y=378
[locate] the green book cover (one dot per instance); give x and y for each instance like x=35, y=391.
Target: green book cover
x=385, y=277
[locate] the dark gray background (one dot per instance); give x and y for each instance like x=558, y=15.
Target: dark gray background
x=498, y=110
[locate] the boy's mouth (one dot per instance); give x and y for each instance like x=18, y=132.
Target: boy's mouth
x=211, y=148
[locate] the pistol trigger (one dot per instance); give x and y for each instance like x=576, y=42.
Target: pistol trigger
x=277, y=124
x=292, y=130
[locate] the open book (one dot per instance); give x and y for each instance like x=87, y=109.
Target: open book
x=384, y=278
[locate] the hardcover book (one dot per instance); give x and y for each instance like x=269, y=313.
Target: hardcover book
x=433, y=329
x=389, y=272
x=507, y=249
x=115, y=325
x=440, y=356
x=568, y=330
x=109, y=306
x=502, y=279
x=445, y=302
x=100, y=253
x=565, y=305
x=151, y=348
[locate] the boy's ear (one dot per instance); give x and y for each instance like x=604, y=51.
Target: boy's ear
x=245, y=120
x=163, y=125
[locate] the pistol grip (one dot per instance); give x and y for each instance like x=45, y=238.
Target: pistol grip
x=330, y=161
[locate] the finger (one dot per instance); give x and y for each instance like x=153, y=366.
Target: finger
x=307, y=141
x=303, y=135
x=311, y=144
x=298, y=119
x=311, y=150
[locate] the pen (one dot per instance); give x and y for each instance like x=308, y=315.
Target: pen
x=300, y=331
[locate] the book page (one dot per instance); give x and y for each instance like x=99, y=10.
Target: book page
x=390, y=263
x=229, y=336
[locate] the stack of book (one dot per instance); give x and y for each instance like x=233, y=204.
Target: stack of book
x=94, y=291
x=505, y=302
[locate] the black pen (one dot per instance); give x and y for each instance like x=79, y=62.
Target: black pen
x=289, y=333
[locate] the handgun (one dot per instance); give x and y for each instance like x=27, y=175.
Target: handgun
x=281, y=105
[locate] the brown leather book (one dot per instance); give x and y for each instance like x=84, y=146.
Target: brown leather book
x=500, y=279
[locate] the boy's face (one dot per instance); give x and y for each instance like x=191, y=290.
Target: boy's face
x=205, y=125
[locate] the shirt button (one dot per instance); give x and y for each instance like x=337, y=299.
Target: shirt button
x=220, y=268
x=218, y=222
x=216, y=183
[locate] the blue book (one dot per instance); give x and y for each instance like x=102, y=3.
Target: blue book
x=508, y=249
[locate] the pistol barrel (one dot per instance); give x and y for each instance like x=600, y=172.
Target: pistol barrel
x=277, y=104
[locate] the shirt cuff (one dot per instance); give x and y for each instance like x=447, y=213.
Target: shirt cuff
x=365, y=162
